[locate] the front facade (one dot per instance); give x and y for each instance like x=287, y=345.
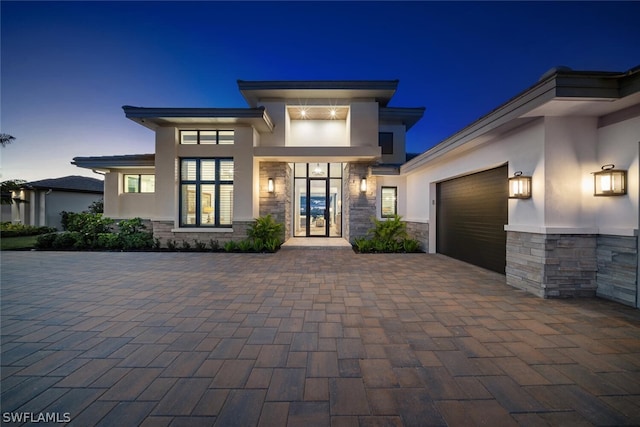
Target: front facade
x=323, y=157
x=305, y=152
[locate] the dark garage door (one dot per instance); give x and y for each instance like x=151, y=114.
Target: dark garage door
x=471, y=213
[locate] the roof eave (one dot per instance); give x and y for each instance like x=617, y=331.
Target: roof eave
x=561, y=84
x=407, y=116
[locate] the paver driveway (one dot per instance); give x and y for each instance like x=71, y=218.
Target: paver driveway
x=305, y=337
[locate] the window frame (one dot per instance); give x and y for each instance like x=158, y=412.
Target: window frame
x=395, y=201
x=199, y=139
x=198, y=182
x=139, y=189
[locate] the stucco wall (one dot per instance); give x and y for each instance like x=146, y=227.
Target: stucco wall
x=318, y=133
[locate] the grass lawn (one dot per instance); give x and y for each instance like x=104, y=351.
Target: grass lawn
x=13, y=243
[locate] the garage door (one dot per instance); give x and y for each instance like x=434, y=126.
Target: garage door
x=471, y=213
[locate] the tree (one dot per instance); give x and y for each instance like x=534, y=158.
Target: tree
x=6, y=139
x=6, y=187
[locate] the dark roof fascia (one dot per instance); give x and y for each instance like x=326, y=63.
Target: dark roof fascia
x=318, y=84
x=231, y=113
x=408, y=116
x=102, y=162
x=565, y=84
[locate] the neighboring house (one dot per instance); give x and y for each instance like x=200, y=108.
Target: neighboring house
x=323, y=157
x=47, y=198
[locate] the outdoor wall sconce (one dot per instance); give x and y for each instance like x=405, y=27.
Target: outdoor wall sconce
x=363, y=185
x=271, y=186
x=519, y=186
x=610, y=181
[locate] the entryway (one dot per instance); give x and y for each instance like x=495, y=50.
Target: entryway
x=317, y=200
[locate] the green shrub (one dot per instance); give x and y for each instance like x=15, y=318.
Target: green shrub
x=389, y=230
x=131, y=226
x=136, y=241
x=186, y=246
x=230, y=246
x=110, y=241
x=9, y=229
x=245, y=245
x=86, y=223
x=362, y=244
x=68, y=240
x=45, y=241
x=199, y=246
x=272, y=245
x=258, y=245
x=172, y=245
x=265, y=228
x=411, y=245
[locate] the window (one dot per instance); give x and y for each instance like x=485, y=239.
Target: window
x=389, y=202
x=206, y=192
x=206, y=137
x=139, y=183
x=385, y=140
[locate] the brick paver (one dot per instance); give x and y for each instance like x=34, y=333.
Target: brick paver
x=305, y=337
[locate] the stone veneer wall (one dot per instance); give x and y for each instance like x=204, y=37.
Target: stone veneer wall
x=162, y=231
x=617, y=276
x=360, y=207
x=552, y=265
x=278, y=204
x=420, y=232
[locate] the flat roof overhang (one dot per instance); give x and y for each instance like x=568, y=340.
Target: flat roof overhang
x=153, y=118
x=407, y=116
x=107, y=163
x=380, y=90
x=561, y=93
x=317, y=154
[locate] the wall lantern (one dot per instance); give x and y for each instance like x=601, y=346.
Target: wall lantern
x=363, y=185
x=271, y=186
x=519, y=186
x=610, y=181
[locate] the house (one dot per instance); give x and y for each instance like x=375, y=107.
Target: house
x=44, y=200
x=303, y=151
x=323, y=157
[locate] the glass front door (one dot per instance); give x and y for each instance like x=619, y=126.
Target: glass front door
x=318, y=199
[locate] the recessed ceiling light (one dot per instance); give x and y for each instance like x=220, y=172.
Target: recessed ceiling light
x=303, y=113
x=332, y=112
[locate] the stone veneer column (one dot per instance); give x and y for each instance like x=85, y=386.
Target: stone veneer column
x=278, y=203
x=361, y=207
x=420, y=232
x=617, y=268
x=552, y=265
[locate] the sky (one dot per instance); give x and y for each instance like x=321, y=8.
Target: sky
x=67, y=68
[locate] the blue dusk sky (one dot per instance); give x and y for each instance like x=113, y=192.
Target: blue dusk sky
x=68, y=67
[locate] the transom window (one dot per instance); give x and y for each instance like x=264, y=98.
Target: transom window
x=206, y=137
x=206, y=192
x=139, y=183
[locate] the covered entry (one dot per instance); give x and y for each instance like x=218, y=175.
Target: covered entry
x=471, y=213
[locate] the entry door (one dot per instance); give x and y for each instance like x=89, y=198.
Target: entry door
x=318, y=207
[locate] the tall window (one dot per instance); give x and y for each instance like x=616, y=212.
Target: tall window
x=139, y=183
x=206, y=137
x=389, y=202
x=206, y=192
x=385, y=140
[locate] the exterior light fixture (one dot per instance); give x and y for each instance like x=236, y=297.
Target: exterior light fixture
x=610, y=181
x=519, y=186
x=363, y=185
x=332, y=113
x=271, y=186
x=303, y=113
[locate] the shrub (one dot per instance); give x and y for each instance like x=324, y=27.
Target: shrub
x=272, y=245
x=172, y=245
x=186, y=246
x=9, y=229
x=245, y=245
x=362, y=244
x=199, y=246
x=214, y=245
x=45, y=241
x=109, y=241
x=258, y=245
x=230, y=246
x=86, y=223
x=411, y=245
x=265, y=228
x=68, y=240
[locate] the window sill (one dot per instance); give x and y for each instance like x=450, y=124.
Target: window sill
x=202, y=230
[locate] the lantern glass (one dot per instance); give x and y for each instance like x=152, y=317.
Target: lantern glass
x=520, y=187
x=610, y=182
x=363, y=185
x=270, y=185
